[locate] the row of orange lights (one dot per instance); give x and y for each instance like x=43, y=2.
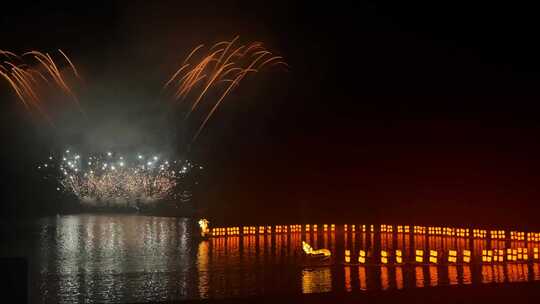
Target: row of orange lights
x=218, y=231
x=517, y=236
x=332, y=227
x=387, y=228
x=251, y=230
x=497, y=234
x=449, y=231
x=265, y=229
x=517, y=254
x=398, y=256
x=433, y=256
x=281, y=229
x=445, y=231
x=313, y=227
x=363, y=228
x=488, y=256
x=496, y=255
x=419, y=230
x=479, y=233
x=434, y=230
x=402, y=229
x=296, y=228
x=533, y=236
x=233, y=231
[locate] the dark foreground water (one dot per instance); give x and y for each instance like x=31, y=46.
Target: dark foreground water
x=133, y=258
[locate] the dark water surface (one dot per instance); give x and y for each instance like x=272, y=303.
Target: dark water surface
x=133, y=258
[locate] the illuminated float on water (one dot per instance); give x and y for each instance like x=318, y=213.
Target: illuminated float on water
x=204, y=229
x=318, y=252
x=316, y=255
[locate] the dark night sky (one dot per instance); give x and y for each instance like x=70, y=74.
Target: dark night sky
x=408, y=112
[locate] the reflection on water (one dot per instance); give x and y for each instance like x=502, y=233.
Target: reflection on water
x=419, y=272
x=129, y=258
x=316, y=280
x=399, y=277
x=362, y=277
x=452, y=275
x=202, y=267
x=467, y=276
x=433, y=275
x=348, y=286
x=104, y=258
x=385, y=281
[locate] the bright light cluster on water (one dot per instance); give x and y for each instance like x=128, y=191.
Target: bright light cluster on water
x=113, y=179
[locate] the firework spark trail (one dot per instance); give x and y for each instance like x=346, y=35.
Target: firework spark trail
x=8, y=53
x=19, y=80
x=70, y=63
x=234, y=83
x=193, y=52
x=109, y=178
x=208, y=84
x=205, y=74
x=15, y=88
x=27, y=81
x=50, y=65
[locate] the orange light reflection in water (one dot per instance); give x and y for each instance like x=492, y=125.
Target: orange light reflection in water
x=536, y=271
x=317, y=280
x=498, y=272
x=419, y=276
x=399, y=277
x=232, y=262
x=487, y=274
x=202, y=265
x=452, y=275
x=389, y=275
x=362, y=278
x=385, y=281
x=348, y=286
x=433, y=275
x=467, y=277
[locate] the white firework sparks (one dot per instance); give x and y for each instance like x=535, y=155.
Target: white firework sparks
x=113, y=179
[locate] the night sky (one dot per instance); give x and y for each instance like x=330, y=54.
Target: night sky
x=422, y=113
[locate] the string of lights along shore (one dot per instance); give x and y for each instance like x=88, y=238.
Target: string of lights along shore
x=402, y=244
x=383, y=257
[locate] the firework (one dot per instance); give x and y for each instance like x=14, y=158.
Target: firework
x=222, y=68
x=117, y=180
x=31, y=73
